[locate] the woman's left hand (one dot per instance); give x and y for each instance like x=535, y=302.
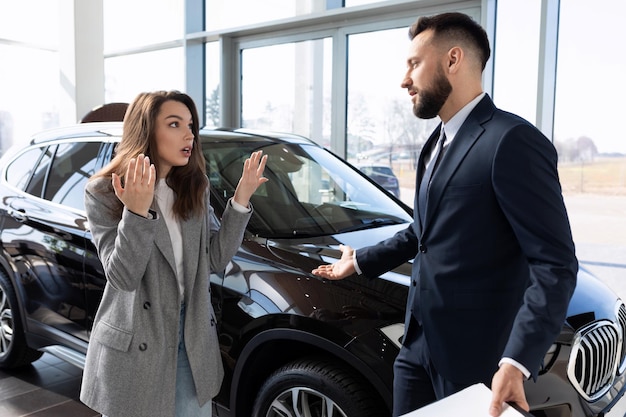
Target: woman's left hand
x=251, y=178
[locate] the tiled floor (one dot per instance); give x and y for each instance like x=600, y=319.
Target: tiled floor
x=47, y=388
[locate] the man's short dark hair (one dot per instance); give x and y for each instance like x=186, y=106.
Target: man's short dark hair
x=457, y=27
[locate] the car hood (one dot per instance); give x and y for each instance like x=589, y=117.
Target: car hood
x=592, y=299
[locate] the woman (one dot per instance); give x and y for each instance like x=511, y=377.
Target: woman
x=153, y=349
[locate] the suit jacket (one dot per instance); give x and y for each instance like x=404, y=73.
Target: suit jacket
x=494, y=263
x=131, y=360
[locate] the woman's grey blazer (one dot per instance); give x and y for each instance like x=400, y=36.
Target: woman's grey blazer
x=131, y=361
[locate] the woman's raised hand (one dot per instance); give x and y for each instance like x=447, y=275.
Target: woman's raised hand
x=138, y=190
x=251, y=178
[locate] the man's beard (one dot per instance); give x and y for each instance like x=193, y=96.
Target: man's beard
x=431, y=101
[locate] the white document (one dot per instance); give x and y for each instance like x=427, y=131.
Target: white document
x=473, y=401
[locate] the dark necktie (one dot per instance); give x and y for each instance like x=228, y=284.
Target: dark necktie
x=428, y=175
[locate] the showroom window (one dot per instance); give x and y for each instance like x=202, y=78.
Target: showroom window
x=381, y=128
x=136, y=23
x=40, y=28
x=287, y=87
x=587, y=119
x=221, y=14
x=143, y=54
x=345, y=94
x=28, y=105
x=589, y=85
x=27, y=109
x=212, y=95
x=128, y=75
x=516, y=54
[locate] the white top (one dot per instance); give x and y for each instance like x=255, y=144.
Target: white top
x=165, y=200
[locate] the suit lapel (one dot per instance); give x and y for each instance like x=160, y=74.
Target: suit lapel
x=464, y=140
x=421, y=169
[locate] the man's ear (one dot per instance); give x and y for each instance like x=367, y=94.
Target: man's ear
x=455, y=56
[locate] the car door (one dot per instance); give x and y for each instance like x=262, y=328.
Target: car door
x=44, y=236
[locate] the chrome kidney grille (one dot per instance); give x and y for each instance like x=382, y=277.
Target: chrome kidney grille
x=597, y=354
x=621, y=321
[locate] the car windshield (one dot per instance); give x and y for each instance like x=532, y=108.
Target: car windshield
x=310, y=191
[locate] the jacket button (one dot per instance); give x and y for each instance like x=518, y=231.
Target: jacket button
x=143, y=347
x=414, y=283
x=146, y=305
x=422, y=248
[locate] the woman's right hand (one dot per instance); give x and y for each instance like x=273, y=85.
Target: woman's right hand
x=138, y=190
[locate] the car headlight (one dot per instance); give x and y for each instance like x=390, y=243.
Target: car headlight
x=394, y=332
x=549, y=358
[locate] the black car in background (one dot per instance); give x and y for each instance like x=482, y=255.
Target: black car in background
x=382, y=175
x=292, y=343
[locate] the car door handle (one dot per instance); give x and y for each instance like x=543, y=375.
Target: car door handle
x=18, y=215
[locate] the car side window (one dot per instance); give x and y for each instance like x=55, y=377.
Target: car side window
x=73, y=164
x=37, y=181
x=20, y=170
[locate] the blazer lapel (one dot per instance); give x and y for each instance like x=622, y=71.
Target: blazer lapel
x=191, y=231
x=163, y=241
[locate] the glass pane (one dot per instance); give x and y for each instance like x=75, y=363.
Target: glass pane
x=516, y=57
x=30, y=21
x=135, y=23
x=352, y=3
x=587, y=128
x=287, y=88
x=127, y=76
x=382, y=129
x=18, y=173
x=35, y=186
x=28, y=106
x=73, y=164
x=213, y=63
x=222, y=14
x=310, y=191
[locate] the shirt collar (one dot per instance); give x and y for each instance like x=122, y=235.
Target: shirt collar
x=454, y=124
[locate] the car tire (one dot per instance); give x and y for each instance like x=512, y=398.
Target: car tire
x=14, y=352
x=326, y=389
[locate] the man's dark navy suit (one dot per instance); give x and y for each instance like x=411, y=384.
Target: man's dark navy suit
x=494, y=263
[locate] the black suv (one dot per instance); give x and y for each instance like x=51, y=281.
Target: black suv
x=292, y=343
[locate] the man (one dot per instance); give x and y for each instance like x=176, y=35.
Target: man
x=494, y=264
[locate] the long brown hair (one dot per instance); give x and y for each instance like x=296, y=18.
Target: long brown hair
x=189, y=182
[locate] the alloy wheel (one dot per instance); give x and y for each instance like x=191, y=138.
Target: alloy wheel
x=304, y=402
x=6, y=324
